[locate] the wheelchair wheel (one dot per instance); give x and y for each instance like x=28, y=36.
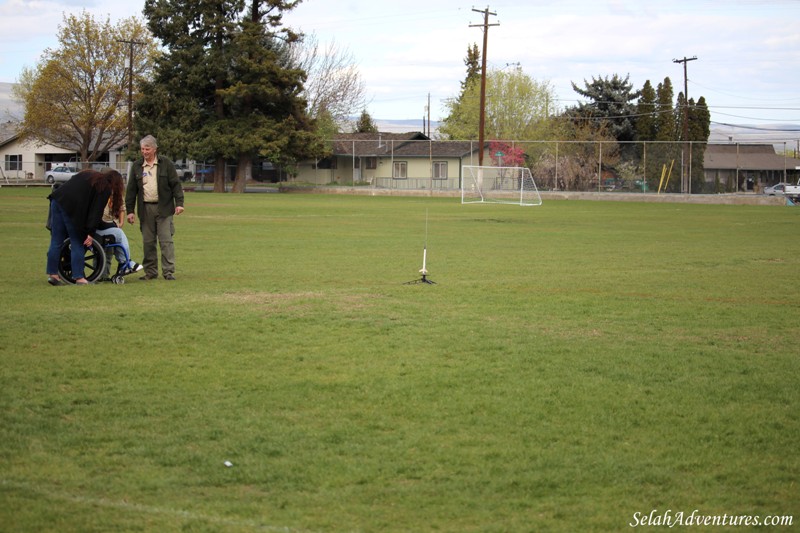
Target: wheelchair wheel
x=94, y=262
x=117, y=280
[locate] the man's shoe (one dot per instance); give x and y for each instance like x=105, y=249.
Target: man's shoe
x=147, y=277
x=55, y=282
x=169, y=277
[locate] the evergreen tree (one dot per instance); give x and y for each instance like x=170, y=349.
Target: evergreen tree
x=666, y=118
x=646, y=114
x=462, y=109
x=365, y=124
x=473, y=64
x=664, y=159
x=699, y=130
x=611, y=100
x=225, y=88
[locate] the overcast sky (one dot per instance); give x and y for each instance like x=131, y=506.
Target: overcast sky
x=747, y=66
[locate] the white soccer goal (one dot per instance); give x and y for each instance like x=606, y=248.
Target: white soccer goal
x=499, y=185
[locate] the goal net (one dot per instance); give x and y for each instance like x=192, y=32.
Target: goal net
x=499, y=185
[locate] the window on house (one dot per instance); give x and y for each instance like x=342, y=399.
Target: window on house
x=440, y=170
x=13, y=162
x=371, y=163
x=400, y=170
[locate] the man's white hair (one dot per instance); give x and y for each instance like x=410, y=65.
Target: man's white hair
x=148, y=140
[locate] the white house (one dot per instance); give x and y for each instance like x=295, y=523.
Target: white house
x=29, y=160
x=391, y=160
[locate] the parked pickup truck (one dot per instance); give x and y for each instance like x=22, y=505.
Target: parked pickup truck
x=792, y=191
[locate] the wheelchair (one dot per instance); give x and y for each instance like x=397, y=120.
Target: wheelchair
x=96, y=260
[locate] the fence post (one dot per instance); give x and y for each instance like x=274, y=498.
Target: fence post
x=600, y=167
x=555, y=185
x=644, y=167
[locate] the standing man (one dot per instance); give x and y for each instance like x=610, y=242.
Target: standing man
x=155, y=191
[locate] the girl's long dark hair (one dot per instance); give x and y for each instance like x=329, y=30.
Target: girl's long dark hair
x=109, y=179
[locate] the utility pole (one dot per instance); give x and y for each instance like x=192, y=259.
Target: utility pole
x=429, y=114
x=482, y=122
x=686, y=180
x=130, y=87
x=428, y=111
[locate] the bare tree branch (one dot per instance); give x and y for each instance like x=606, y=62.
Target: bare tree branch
x=334, y=84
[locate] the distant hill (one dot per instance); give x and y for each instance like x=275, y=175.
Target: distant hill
x=402, y=126
x=11, y=110
x=720, y=133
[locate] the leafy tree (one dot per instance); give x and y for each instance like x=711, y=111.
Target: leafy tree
x=365, y=124
x=327, y=128
x=513, y=154
x=517, y=107
x=77, y=96
x=226, y=87
x=578, y=159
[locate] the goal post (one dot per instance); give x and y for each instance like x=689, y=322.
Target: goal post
x=499, y=185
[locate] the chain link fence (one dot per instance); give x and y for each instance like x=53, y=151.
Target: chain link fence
x=581, y=166
x=590, y=166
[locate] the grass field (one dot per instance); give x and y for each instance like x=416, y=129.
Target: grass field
x=575, y=364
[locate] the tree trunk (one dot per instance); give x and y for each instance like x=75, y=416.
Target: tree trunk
x=243, y=172
x=219, y=175
x=219, y=111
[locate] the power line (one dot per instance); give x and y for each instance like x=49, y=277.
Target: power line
x=732, y=95
x=756, y=128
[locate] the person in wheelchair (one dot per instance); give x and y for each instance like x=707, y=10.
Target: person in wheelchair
x=76, y=209
x=112, y=225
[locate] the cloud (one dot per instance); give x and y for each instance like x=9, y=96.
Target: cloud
x=28, y=27
x=748, y=50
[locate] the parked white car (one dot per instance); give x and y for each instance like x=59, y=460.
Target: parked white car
x=59, y=174
x=792, y=191
x=776, y=190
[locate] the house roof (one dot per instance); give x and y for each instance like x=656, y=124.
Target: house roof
x=411, y=144
x=8, y=132
x=746, y=157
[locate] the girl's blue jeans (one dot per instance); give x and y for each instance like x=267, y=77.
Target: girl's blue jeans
x=61, y=227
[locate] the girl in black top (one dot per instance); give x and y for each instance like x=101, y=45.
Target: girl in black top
x=76, y=209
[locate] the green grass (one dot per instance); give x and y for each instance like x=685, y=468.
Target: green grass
x=576, y=363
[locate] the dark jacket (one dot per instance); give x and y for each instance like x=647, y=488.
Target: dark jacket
x=170, y=192
x=82, y=203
